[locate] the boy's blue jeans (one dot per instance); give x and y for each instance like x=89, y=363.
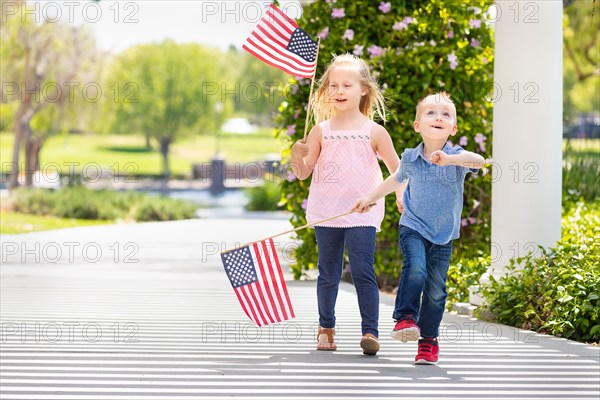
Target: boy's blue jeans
x=422, y=292
x=360, y=242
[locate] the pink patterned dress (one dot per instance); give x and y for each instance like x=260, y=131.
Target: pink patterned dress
x=346, y=170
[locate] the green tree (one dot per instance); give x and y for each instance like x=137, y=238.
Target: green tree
x=261, y=87
x=40, y=64
x=169, y=90
x=414, y=48
x=581, y=58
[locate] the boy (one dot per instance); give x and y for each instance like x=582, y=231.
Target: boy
x=432, y=177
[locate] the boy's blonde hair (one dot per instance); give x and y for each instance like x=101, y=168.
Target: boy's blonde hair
x=370, y=104
x=439, y=96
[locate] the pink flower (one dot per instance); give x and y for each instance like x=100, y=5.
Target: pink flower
x=450, y=34
x=290, y=176
x=294, y=89
x=475, y=23
x=480, y=139
x=463, y=222
x=385, y=7
x=484, y=60
x=453, y=60
x=348, y=34
x=398, y=26
x=338, y=13
x=471, y=220
x=304, y=204
x=474, y=43
x=375, y=51
x=297, y=113
x=463, y=141
x=324, y=33
x=291, y=130
x=358, y=50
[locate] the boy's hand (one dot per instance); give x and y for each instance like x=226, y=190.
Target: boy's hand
x=363, y=205
x=299, y=150
x=440, y=158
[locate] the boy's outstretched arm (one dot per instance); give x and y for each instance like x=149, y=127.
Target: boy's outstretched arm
x=465, y=159
x=388, y=186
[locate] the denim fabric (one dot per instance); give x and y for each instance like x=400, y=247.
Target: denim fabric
x=433, y=199
x=360, y=242
x=422, y=292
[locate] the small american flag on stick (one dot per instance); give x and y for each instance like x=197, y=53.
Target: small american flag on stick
x=278, y=41
x=257, y=280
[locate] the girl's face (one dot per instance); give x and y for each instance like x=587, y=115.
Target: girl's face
x=345, y=89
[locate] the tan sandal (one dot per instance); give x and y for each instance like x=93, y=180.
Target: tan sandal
x=325, y=339
x=369, y=344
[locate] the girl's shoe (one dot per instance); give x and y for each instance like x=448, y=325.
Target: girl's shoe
x=325, y=339
x=429, y=350
x=369, y=344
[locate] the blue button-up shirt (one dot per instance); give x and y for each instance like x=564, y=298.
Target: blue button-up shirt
x=433, y=198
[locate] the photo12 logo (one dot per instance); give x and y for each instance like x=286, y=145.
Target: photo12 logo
x=71, y=11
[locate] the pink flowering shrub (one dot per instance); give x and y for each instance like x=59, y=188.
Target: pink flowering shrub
x=413, y=49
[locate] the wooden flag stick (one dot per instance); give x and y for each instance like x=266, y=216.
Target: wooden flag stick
x=310, y=96
x=295, y=229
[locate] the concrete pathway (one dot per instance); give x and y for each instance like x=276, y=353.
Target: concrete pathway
x=145, y=311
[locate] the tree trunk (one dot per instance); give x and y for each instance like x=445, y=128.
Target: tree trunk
x=13, y=177
x=36, y=148
x=29, y=161
x=148, y=142
x=165, y=143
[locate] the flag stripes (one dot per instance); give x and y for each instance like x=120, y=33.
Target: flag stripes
x=281, y=43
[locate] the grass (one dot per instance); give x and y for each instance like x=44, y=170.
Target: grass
x=128, y=154
x=14, y=222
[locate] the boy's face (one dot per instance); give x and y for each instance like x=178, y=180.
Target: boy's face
x=436, y=119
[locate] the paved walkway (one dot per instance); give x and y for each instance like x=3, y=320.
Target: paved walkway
x=145, y=311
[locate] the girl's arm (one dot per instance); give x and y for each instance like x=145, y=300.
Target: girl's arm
x=384, y=146
x=388, y=186
x=305, y=155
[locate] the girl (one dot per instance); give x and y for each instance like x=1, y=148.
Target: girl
x=342, y=152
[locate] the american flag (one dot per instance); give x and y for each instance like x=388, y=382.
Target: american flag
x=255, y=274
x=278, y=41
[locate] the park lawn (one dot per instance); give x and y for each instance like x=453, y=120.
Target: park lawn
x=14, y=222
x=127, y=154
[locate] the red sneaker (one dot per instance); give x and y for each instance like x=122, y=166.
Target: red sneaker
x=428, y=351
x=406, y=330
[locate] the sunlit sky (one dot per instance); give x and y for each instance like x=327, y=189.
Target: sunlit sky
x=120, y=24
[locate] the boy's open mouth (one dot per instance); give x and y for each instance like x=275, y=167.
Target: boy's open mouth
x=437, y=126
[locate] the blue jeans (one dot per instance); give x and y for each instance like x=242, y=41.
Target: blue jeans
x=360, y=242
x=422, y=292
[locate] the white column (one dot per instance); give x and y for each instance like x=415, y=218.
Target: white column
x=527, y=137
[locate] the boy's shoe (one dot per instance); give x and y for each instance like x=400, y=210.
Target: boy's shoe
x=429, y=350
x=369, y=344
x=406, y=330
x=325, y=339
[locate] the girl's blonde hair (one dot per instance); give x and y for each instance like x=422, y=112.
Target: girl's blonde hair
x=370, y=104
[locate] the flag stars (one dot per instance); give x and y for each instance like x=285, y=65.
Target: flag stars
x=239, y=267
x=303, y=45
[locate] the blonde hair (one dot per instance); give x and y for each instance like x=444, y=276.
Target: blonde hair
x=370, y=104
x=438, y=97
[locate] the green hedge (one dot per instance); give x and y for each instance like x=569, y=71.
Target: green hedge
x=411, y=47
x=556, y=292
x=79, y=202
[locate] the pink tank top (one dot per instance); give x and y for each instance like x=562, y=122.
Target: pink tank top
x=346, y=170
